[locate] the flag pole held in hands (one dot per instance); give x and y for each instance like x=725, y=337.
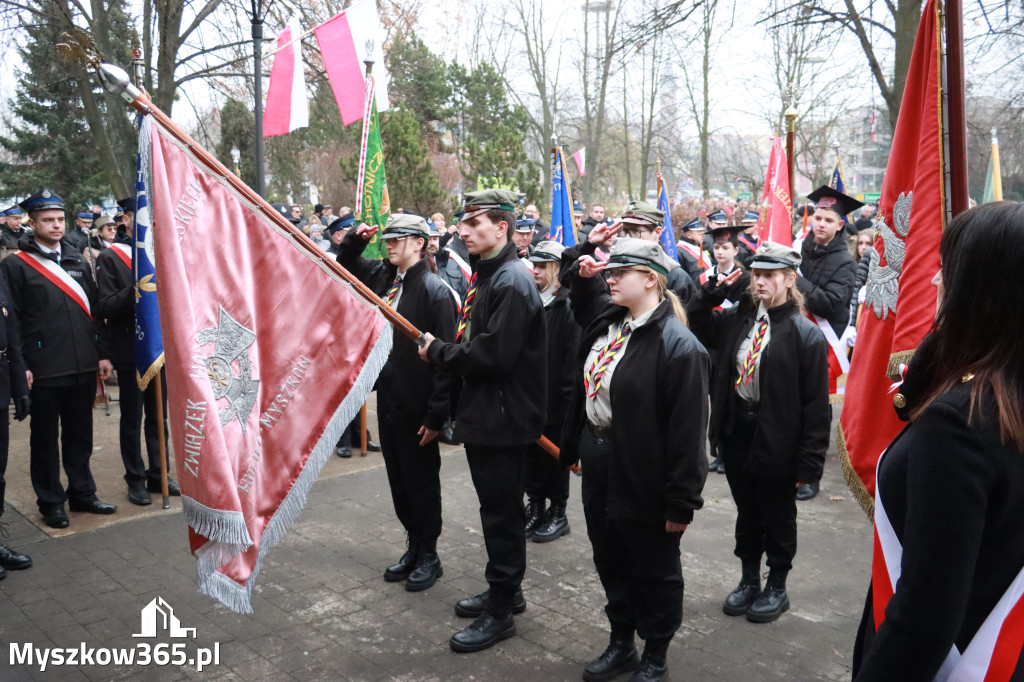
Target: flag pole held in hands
x=117, y=82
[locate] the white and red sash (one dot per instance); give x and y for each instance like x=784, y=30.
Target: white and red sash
x=838, y=361
x=124, y=252
x=994, y=650
x=467, y=271
x=750, y=245
x=700, y=254
x=57, y=276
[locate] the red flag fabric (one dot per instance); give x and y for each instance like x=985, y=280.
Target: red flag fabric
x=774, y=223
x=346, y=41
x=287, y=105
x=260, y=386
x=900, y=306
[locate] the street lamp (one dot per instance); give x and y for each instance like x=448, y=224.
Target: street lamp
x=790, y=115
x=258, y=10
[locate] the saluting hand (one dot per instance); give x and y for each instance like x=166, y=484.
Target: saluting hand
x=422, y=350
x=730, y=279
x=366, y=231
x=603, y=233
x=590, y=267
x=673, y=527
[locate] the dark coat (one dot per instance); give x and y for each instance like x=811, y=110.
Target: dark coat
x=794, y=417
x=828, y=280
x=659, y=400
x=58, y=338
x=448, y=270
x=115, y=303
x=410, y=392
x=690, y=265
x=76, y=238
x=952, y=491
x=563, y=342
x=746, y=254
x=503, y=364
x=13, y=382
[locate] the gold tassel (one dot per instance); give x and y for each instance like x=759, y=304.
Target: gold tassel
x=853, y=482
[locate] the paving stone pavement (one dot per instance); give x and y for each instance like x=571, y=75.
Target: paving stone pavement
x=324, y=612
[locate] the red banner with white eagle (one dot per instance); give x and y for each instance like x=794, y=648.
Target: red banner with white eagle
x=260, y=382
x=900, y=305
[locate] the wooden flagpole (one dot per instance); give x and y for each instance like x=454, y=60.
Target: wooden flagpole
x=956, y=107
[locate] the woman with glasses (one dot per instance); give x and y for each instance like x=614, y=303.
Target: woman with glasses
x=637, y=422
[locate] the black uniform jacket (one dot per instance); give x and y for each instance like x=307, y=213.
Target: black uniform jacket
x=503, y=366
x=679, y=281
x=952, y=492
x=115, y=303
x=13, y=382
x=563, y=342
x=58, y=338
x=746, y=254
x=794, y=418
x=659, y=400
x=690, y=264
x=828, y=281
x=411, y=392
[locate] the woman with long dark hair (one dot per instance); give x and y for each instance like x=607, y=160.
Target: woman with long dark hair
x=949, y=500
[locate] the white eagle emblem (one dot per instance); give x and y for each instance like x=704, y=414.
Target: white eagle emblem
x=232, y=342
x=883, y=285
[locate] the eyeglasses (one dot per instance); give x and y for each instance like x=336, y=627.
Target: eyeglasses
x=635, y=232
x=616, y=273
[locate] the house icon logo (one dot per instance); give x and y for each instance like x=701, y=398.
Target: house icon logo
x=157, y=617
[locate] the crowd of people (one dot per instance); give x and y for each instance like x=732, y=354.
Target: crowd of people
x=609, y=356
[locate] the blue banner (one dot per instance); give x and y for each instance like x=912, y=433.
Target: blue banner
x=668, y=235
x=837, y=183
x=562, y=229
x=149, y=346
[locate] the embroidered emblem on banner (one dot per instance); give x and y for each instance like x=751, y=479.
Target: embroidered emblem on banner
x=883, y=287
x=229, y=368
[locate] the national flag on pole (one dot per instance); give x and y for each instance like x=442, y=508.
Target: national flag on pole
x=837, y=183
x=562, y=229
x=774, y=223
x=259, y=390
x=874, y=135
x=993, y=179
x=890, y=331
x=287, y=104
x=580, y=158
x=373, y=203
x=668, y=236
x=149, y=346
x=346, y=41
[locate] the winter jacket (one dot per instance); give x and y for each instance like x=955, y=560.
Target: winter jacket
x=828, y=280
x=563, y=342
x=115, y=304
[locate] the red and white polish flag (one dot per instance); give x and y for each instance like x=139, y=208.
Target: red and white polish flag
x=346, y=41
x=287, y=104
x=580, y=158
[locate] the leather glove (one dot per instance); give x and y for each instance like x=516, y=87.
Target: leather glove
x=22, y=406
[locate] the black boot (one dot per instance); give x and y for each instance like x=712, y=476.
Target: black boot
x=772, y=602
x=471, y=607
x=556, y=526
x=654, y=662
x=534, y=516
x=493, y=625
x=740, y=599
x=808, y=492
x=428, y=568
x=400, y=571
x=619, y=657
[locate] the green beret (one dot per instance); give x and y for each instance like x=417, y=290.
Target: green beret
x=406, y=225
x=643, y=212
x=629, y=251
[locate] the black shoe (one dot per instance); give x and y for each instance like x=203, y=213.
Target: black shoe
x=483, y=633
x=137, y=494
x=371, y=446
x=56, y=518
x=448, y=434
x=3, y=573
x=13, y=561
x=156, y=487
x=93, y=506
x=715, y=463
x=739, y=600
x=619, y=657
x=400, y=571
x=428, y=570
x=808, y=491
x=472, y=607
x=772, y=602
x=534, y=517
x=557, y=525
x=344, y=451
x=654, y=662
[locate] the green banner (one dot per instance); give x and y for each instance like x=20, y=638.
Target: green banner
x=376, y=203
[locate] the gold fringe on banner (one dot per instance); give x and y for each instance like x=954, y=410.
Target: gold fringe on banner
x=897, y=359
x=853, y=482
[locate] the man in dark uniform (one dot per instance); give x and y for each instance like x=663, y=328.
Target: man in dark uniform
x=78, y=235
x=13, y=383
x=748, y=239
x=413, y=398
x=54, y=297
x=690, y=247
x=523, y=238
x=337, y=230
x=126, y=209
x=500, y=354
x=13, y=230
x=115, y=303
x=828, y=273
x=540, y=229
x=545, y=478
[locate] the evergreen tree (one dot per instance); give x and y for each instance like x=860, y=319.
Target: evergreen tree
x=412, y=182
x=419, y=81
x=237, y=131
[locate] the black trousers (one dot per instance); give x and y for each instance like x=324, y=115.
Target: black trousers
x=62, y=412
x=637, y=561
x=132, y=402
x=5, y=424
x=545, y=479
x=414, y=474
x=765, y=506
x=499, y=478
